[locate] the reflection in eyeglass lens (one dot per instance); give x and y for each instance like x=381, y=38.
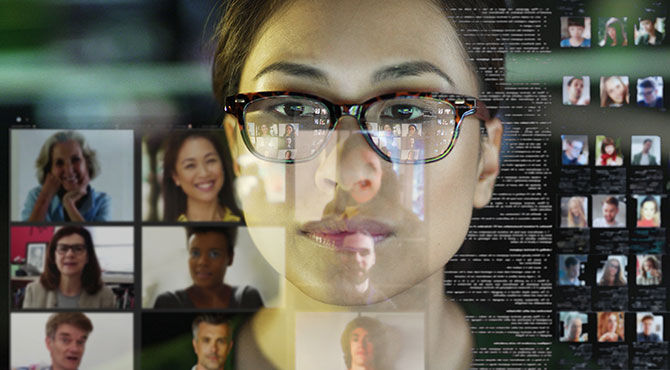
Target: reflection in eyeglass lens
x=297, y=128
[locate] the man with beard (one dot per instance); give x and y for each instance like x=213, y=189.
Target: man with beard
x=358, y=259
x=610, y=211
x=212, y=341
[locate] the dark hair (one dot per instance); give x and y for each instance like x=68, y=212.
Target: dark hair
x=571, y=261
x=212, y=319
x=573, y=21
x=649, y=18
x=621, y=37
x=647, y=83
x=76, y=319
x=377, y=333
x=574, y=78
x=647, y=317
x=91, y=275
x=238, y=29
x=174, y=199
x=653, y=260
x=612, y=200
x=229, y=232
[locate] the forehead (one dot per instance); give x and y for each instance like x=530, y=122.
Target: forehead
x=195, y=145
x=71, y=239
x=211, y=330
x=350, y=40
x=70, y=330
x=208, y=240
x=359, y=331
x=66, y=147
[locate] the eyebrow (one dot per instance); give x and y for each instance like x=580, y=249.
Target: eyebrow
x=397, y=71
x=409, y=69
x=295, y=69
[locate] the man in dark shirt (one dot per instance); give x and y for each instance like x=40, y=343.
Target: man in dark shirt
x=647, y=335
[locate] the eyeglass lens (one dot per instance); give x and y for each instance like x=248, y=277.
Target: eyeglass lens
x=76, y=248
x=403, y=128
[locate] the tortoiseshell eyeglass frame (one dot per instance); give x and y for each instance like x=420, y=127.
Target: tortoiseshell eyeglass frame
x=463, y=106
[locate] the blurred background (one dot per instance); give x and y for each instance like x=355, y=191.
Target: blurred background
x=111, y=63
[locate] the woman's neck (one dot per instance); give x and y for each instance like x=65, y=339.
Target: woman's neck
x=70, y=285
x=203, y=211
x=440, y=315
x=212, y=296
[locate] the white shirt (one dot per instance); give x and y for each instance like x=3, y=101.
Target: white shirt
x=600, y=222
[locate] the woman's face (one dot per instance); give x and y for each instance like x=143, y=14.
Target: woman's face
x=352, y=51
x=611, y=32
x=609, y=149
x=208, y=258
x=264, y=130
x=71, y=263
x=68, y=164
x=648, y=210
x=412, y=131
x=615, y=90
x=613, y=268
x=611, y=323
x=198, y=170
x=289, y=130
x=576, y=208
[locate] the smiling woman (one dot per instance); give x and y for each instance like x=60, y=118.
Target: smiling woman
x=197, y=178
x=342, y=74
x=72, y=275
x=65, y=166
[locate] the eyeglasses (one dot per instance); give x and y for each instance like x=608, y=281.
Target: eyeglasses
x=76, y=248
x=402, y=127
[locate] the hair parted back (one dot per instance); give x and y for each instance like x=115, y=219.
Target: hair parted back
x=44, y=158
x=242, y=21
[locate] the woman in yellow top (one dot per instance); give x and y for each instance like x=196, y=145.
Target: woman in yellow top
x=197, y=179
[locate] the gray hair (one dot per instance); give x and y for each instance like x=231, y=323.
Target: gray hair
x=43, y=162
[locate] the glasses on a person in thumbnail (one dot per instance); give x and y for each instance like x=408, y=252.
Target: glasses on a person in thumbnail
x=76, y=248
x=388, y=122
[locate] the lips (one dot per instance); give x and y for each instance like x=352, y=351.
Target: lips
x=330, y=233
x=70, y=180
x=205, y=186
x=203, y=274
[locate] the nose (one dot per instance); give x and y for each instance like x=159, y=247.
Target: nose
x=202, y=169
x=351, y=169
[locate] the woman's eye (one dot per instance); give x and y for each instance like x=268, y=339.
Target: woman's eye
x=214, y=254
x=189, y=166
x=403, y=112
x=293, y=109
x=195, y=254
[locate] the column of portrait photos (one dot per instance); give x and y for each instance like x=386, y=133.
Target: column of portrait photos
x=611, y=248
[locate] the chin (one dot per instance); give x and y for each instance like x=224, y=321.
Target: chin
x=319, y=273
